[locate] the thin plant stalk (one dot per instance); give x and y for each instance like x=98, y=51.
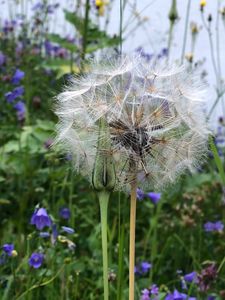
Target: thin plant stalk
x=185, y=30
x=103, y=202
x=85, y=33
x=132, y=238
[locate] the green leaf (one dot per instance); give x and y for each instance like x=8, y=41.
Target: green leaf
x=96, y=38
x=217, y=159
x=75, y=20
x=55, y=38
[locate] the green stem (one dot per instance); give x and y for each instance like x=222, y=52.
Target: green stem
x=103, y=202
x=85, y=33
x=185, y=30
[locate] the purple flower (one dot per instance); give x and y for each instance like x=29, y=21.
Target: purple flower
x=2, y=59
x=48, y=143
x=44, y=234
x=54, y=234
x=17, y=92
x=48, y=47
x=18, y=75
x=178, y=296
x=21, y=110
x=211, y=297
x=8, y=248
x=36, y=260
x=145, y=267
x=213, y=226
x=190, y=277
x=38, y=6
x=52, y=7
x=8, y=26
x=154, y=289
x=140, y=194
x=65, y=213
x=142, y=268
x=68, y=229
x=40, y=219
x=154, y=197
x=145, y=294
x=207, y=277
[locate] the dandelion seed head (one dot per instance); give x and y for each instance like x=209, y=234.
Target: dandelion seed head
x=154, y=114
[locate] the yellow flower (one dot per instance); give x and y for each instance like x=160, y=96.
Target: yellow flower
x=100, y=5
x=203, y=3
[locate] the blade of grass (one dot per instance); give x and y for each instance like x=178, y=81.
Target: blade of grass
x=217, y=159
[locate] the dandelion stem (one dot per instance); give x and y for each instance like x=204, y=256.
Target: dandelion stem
x=103, y=202
x=132, y=238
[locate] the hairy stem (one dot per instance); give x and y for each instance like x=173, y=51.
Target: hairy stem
x=132, y=238
x=103, y=202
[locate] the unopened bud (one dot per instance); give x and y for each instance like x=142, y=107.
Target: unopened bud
x=104, y=177
x=173, y=14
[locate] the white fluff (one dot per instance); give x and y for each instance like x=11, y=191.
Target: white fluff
x=155, y=117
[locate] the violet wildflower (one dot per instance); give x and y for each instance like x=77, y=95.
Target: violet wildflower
x=154, y=197
x=154, y=289
x=207, y=277
x=2, y=59
x=38, y=6
x=17, y=77
x=145, y=294
x=142, y=268
x=55, y=234
x=179, y=296
x=36, y=260
x=8, y=248
x=17, y=92
x=44, y=234
x=191, y=277
x=21, y=110
x=9, y=26
x=40, y=219
x=140, y=194
x=48, y=143
x=68, y=229
x=217, y=226
x=145, y=267
x=65, y=213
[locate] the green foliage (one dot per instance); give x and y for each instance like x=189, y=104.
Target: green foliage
x=96, y=38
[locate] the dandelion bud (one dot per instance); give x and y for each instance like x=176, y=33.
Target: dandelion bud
x=173, y=14
x=103, y=177
x=210, y=18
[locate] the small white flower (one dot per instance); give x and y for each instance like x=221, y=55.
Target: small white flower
x=154, y=114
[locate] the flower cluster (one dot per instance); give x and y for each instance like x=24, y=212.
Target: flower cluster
x=154, y=117
x=150, y=293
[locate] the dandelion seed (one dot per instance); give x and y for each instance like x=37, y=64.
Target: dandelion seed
x=154, y=115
